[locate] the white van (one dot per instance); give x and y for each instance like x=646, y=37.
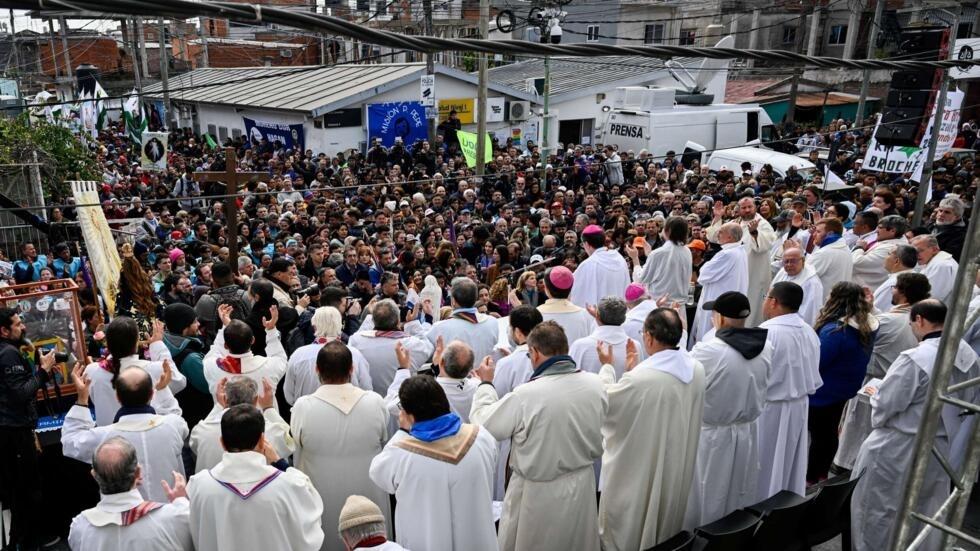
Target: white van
x=733, y=158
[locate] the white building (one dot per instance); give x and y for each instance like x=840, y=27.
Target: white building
x=332, y=103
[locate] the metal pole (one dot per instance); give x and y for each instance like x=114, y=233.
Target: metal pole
x=132, y=46
x=430, y=62
x=932, y=412
x=967, y=477
x=481, y=100
x=205, y=62
x=794, y=89
x=866, y=79
x=937, y=121
x=853, y=22
x=141, y=36
x=54, y=53
x=64, y=45
x=165, y=74
x=813, y=41
x=13, y=49
x=545, y=145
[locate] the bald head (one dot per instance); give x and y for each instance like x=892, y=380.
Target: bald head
x=134, y=387
x=729, y=233
x=457, y=360
x=793, y=261
x=114, y=466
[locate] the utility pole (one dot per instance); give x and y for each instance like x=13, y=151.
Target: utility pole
x=430, y=59
x=797, y=73
x=926, y=184
x=545, y=145
x=54, y=52
x=165, y=74
x=754, y=35
x=205, y=62
x=866, y=80
x=64, y=45
x=481, y=98
x=853, y=22
x=13, y=48
x=129, y=38
x=813, y=41
x=141, y=36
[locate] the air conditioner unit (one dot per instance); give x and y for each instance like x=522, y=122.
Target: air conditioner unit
x=285, y=53
x=519, y=111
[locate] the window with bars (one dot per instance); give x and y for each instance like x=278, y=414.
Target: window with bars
x=653, y=34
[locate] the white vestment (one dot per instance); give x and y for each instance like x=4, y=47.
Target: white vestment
x=643, y=502
x=511, y=372
x=205, y=439
x=458, y=391
x=481, y=336
x=443, y=489
x=244, y=503
x=272, y=366
x=886, y=456
x=727, y=271
x=795, y=374
x=633, y=326
x=339, y=429
x=302, y=378
x=667, y=271
x=883, y=294
x=105, y=528
x=550, y=502
x=604, y=274
x=776, y=251
x=757, y=249
x=894, y=337
x=575, y=320
x=158, y=440
x=812, y=291
x=833, y=263
x=869, y=266
x=726, y=473
x=378, y=347
x=941, y=271
x=585, y=356
x=104, y=396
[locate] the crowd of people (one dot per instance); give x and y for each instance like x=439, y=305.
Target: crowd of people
x=404, y=355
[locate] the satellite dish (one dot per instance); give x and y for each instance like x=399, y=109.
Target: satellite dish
x=698, y=83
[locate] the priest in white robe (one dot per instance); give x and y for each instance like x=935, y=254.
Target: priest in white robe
x=339, y=429
x=667, y=270
x=795, y=374
x=205, y=441
x=832, y=260
x=896, y=410
x=869, y=259
x=610, y=316
x=757, y=239
x=938, y=265
x=575, y=320
x=788, y=227
x=122, y=519
x=301, y=376
x=158, y=439
x=440, y=471
x=728, y=270
x=894, y=337
x=605, y=273
x=122, y=334
x=454, y=363
x=231, y=353
x=639, y=306
x=736, y=364
x=550, y=502
x=902, y=259
x=465, y=323
x=795, y=270
x=377, y=345
x=253, y=499
x=643, y=502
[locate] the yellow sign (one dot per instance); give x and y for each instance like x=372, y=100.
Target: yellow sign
x=464, y=108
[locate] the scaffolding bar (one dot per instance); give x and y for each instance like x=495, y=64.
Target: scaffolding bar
x=948, y=529
x=921, y=538
x=965, y=384
x=944, y=463
x=960, y=403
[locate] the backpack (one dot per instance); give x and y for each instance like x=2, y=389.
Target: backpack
x=227, y=295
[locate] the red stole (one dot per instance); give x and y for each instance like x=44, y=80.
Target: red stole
x=138, y=512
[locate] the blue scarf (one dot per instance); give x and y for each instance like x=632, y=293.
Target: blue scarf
x=550, y=362
x=133, y=411
x=830, y=238
x=439, y=427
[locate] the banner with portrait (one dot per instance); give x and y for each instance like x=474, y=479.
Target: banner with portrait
x=290, y=135
x=404, y=119
x=153, y=151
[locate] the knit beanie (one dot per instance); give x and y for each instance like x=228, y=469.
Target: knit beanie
x=178, y=316
x=359, y=510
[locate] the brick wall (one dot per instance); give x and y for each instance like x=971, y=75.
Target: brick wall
x=239, y=55
x=103, y=52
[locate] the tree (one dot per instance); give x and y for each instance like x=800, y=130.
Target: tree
x=61, y=155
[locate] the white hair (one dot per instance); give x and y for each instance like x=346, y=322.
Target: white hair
x=327, y=322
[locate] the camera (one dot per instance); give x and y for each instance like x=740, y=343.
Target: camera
x=311, y=291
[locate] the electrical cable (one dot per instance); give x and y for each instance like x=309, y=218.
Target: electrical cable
x=324, y=23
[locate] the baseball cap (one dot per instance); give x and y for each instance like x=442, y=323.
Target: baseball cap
x=535, y=258
x=732, y=304
x=697, y=244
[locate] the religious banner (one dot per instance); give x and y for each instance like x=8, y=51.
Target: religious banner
x=103, y=252
x=464, y=107
x=153, y=151
x=403, y=119
x=467, y=143
x=909, y=159
x=290, y=135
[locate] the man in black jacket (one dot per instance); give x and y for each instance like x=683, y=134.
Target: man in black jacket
x=20, y=479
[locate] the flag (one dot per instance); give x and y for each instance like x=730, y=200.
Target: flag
x=88, y=114
x=833, y=182
x=101, y=106
x=136, y=123
x=210, y=141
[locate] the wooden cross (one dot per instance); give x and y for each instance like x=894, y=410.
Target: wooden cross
x=232, y=180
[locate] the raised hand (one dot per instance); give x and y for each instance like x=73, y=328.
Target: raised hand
x=219, y=393
x=224, y=314
x=632, y=355
x=167, y=376
x=179, y=489
x=82, y=383
x=270, y=322
x=268, y=397
x=403, y=356
x=605, y=353
x=157, y=334
x=485, y=370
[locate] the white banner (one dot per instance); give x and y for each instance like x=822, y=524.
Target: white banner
x=966, y=49
x=153, y=154
x=909, y=159
x=103, y=253
x=427, y=93
x=495, y=109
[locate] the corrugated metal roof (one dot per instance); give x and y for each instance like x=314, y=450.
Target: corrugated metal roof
x=285, y=88
x=569, y=74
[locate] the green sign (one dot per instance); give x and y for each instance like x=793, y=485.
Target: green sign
x=467, y=142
